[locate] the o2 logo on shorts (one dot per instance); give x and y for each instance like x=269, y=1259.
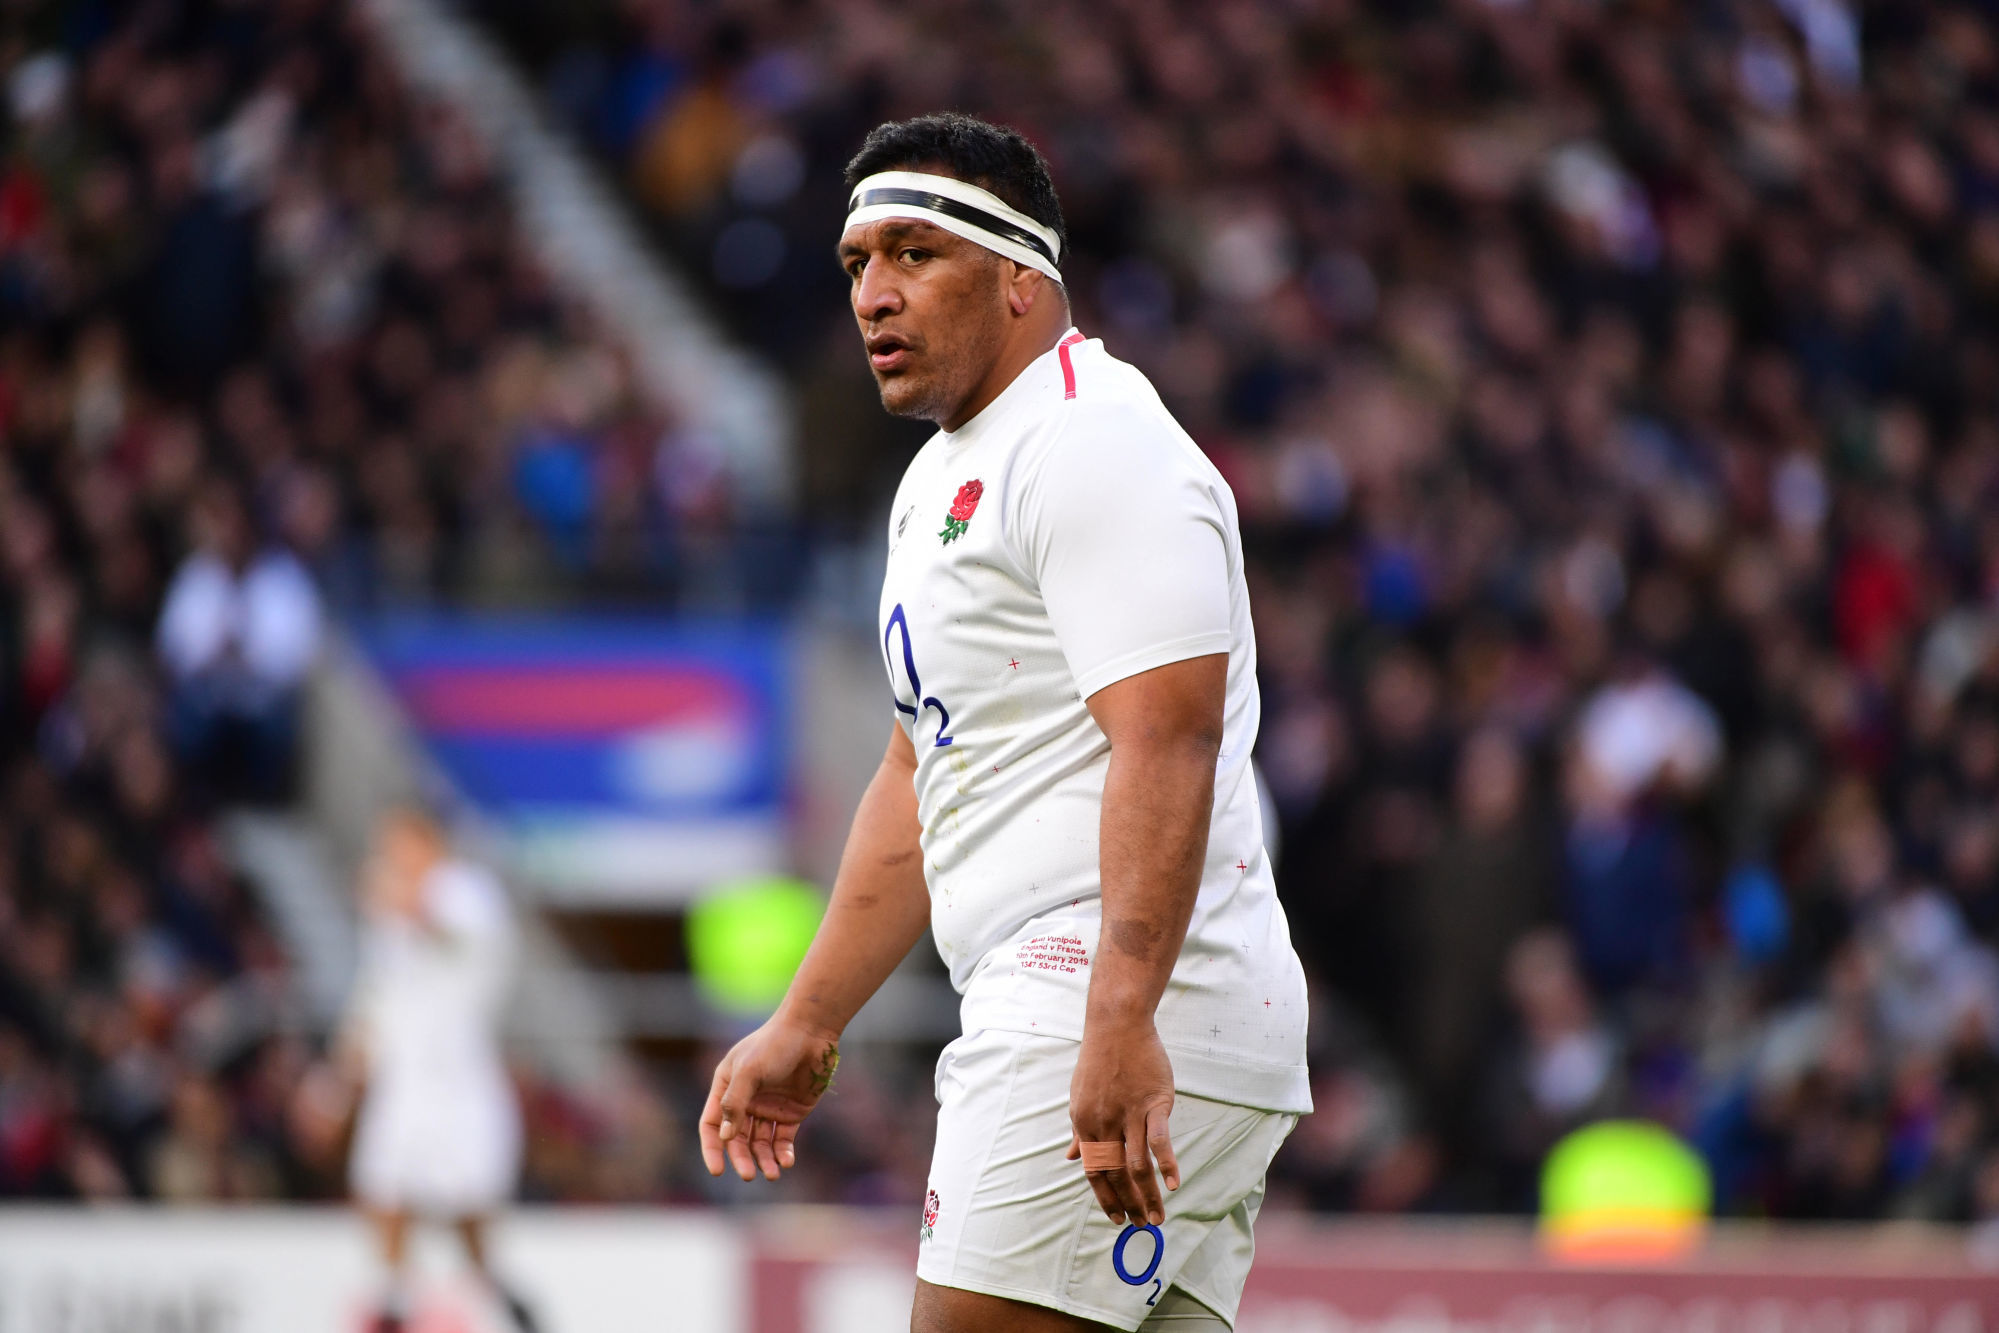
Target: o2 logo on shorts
x=931, y=1205
x=1125, y=1275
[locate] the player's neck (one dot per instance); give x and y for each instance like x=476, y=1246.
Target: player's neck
x=1038, y=333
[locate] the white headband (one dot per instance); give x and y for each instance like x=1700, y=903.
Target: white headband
x=980, y=216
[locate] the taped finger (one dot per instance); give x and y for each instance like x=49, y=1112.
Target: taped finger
x=1103, y=1155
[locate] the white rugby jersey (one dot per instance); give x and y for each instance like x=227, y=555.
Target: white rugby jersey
x=1067, y=537
x=432, y=994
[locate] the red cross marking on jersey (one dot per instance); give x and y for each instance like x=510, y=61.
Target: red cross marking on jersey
x=1242, y=865
x=1014, y=662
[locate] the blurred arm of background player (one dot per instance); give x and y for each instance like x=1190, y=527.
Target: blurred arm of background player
x=387, y=889
x=330, y=1094
x=771, y=1079
x=1165, y=730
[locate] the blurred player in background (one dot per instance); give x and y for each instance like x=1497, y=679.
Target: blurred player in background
x=1066, y=799
x=439, y=1134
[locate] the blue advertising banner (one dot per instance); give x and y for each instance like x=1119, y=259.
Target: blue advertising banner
x=626, y=759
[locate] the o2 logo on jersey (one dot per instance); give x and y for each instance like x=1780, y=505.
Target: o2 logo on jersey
x=896, y=619
x=1125, y=1275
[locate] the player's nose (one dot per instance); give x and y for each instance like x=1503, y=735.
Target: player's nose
x=877, y=294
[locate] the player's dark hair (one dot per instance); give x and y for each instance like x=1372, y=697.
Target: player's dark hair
x=978, y=152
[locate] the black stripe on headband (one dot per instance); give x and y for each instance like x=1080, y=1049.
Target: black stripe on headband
x=951, y=208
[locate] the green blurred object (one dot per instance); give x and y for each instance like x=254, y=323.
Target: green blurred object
x=1623, y=1188
x=746, y=939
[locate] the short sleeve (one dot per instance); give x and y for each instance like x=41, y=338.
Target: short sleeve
x=1125, y=537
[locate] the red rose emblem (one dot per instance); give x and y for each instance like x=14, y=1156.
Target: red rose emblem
x=931, y=1205
x=962, y=510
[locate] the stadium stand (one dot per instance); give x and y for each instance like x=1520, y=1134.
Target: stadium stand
x=271, y=349
x=1608, y=393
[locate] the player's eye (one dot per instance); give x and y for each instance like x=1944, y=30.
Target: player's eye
x=909, y=254
x=854, y=267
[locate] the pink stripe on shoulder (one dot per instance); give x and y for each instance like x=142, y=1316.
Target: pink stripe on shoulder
x=1068, y=366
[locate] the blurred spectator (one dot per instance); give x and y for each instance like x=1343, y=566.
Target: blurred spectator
x=1361, y=1148
x=238, y=632
x=1560, y=1070
x=1643, y=743
x=1481, y=887
x=201, y=1158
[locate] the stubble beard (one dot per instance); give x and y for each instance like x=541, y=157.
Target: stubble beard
x=935, y=396
x=915, y=399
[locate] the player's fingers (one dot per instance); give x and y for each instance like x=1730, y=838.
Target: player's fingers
x=763, y=1144
x=1160, y=1140
x=731, y=1105
x=1075, y=1146
x=711, y=1147
x=786, y=1143
x=1129, y=1196
x=738, y=1148
x=1129, y=1199
x=733, y=1094
x=1138, y=1166
x=1106, y=1196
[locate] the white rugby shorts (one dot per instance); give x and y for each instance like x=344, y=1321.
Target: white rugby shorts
x=438, y=1147
x=1007, y=1214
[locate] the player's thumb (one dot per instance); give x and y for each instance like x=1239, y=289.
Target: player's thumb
x=1160, y=1140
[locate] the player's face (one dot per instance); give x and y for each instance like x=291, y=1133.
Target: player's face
x=932, y=312
x=405, y=851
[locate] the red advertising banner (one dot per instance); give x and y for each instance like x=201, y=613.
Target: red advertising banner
x=1390, y=1278
x=1476, y=1277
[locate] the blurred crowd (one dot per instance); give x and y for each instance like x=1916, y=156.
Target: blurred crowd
x=269, y=349
x=1608, y=391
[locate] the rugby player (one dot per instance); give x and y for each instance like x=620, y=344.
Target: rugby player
x=439, y=1131
x=1066, y=799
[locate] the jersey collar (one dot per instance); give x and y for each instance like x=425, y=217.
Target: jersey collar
x=1043, y=370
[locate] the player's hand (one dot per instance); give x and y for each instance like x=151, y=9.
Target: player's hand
x=1123, y=1092
x=767, y=1083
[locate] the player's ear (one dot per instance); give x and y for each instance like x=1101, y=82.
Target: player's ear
x=1024, y=288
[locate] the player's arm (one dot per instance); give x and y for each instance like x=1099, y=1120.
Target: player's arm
x=878, y=910
x=383, y=894
x=1165, y=730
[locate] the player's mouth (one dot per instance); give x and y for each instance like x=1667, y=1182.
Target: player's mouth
x=888, y=353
